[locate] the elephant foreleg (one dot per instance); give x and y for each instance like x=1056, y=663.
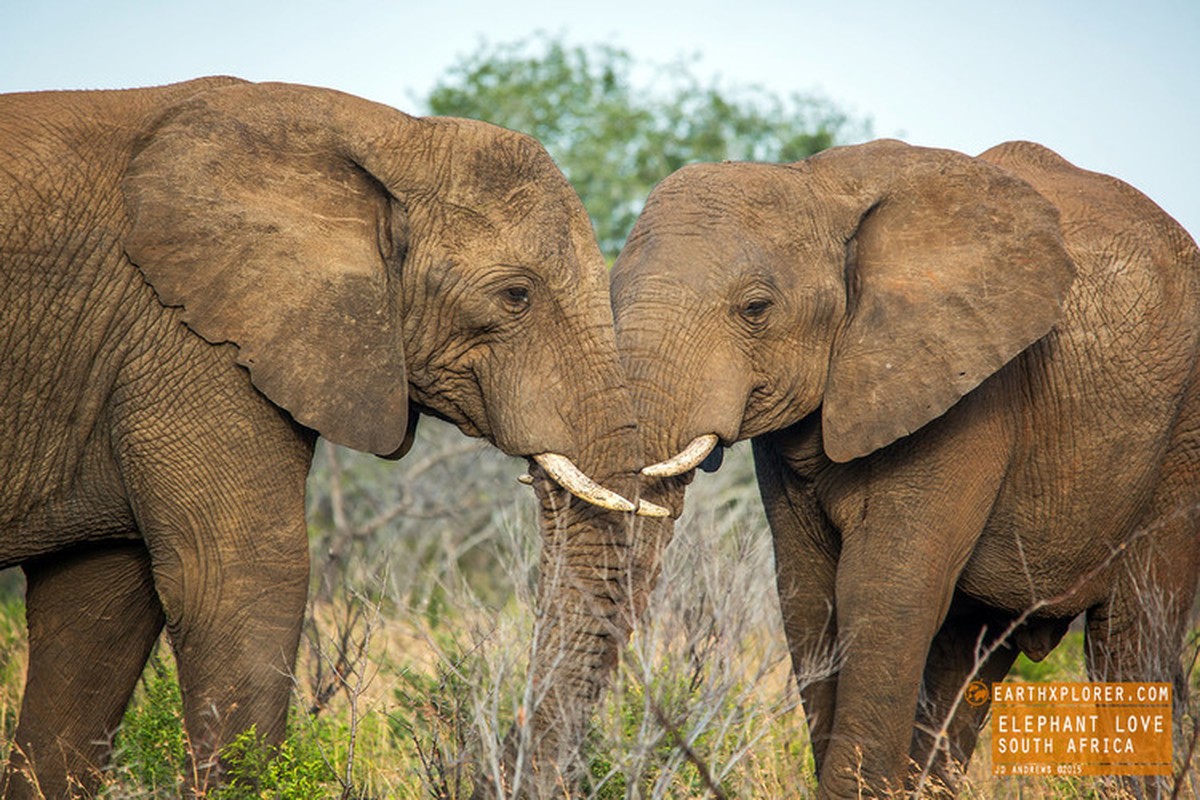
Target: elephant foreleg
x=908, y=523
x=805, y=570
x=235, y=637
x=93, y=617
x=219, y=497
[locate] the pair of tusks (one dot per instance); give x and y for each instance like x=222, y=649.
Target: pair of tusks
x=571, y=478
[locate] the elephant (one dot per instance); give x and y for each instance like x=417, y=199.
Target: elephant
x=198, y=280
x=970, y=385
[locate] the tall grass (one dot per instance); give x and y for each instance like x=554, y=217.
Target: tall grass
x=415, y=659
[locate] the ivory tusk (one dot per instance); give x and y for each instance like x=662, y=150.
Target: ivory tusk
x=526, y=479
x=571, y=478
x=647, y=509
x=687, y=459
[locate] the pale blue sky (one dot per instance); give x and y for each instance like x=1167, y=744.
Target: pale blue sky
x=1113, y=86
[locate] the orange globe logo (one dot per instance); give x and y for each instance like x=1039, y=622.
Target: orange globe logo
x=977, y=693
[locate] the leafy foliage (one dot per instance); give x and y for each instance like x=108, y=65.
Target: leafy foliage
x=296, y=771
x=615, y=140
x=150, y=750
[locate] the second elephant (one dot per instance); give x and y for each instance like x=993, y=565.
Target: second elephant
x=971, y=386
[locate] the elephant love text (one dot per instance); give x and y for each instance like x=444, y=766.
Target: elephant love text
x=1081, y=728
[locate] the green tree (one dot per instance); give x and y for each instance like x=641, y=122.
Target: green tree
x=614, y=138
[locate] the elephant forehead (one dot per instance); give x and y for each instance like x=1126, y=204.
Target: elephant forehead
x=468, y=246
x=709, y=260
x=530, y=225
x=508, y=177
x=741, y=193
x=463, y=225
x=665, y=290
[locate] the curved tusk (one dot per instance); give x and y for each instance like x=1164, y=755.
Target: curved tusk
x=526, y=479
x=571, y=478
x=647, y=509
x=688, y=458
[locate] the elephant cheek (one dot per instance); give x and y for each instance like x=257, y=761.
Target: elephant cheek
x=676, y=401
x=534, y=403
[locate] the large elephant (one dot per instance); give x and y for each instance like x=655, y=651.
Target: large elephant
x=195, y=281
x=971, y=387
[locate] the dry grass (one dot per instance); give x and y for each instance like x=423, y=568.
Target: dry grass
x=417, y=648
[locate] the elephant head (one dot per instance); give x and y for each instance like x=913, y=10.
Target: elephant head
x=370, y=267
x=873, y=285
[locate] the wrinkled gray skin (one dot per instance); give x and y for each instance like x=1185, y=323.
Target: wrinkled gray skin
x=195, y=281
x=971, y=388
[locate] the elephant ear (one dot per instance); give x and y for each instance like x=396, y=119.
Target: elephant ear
x=247, y=215
x=955, y=267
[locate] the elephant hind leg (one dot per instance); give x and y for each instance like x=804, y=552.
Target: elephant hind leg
x=1137, y=633
x=93, y=618
x=963, y=651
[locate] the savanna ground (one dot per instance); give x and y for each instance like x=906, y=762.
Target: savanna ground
x=416, y=651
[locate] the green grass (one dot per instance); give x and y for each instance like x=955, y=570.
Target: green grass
x=12, y=662
x=150, y=751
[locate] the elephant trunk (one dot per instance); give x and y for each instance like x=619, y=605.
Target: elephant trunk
x=584, y=619
x=584, y=612
x=582, y=622
x=597, y=571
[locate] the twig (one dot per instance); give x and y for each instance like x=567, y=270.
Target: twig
x=691, y=755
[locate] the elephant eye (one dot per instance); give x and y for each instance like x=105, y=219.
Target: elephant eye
x=756, y=310
x=515, y=298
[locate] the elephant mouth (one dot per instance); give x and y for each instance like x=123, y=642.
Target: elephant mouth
x=700, y=452
x=564, y=472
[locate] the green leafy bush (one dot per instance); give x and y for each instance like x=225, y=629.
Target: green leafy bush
x=296, y=770
x=150, y=750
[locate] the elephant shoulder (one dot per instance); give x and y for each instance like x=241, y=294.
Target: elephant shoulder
x=1087, y=200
